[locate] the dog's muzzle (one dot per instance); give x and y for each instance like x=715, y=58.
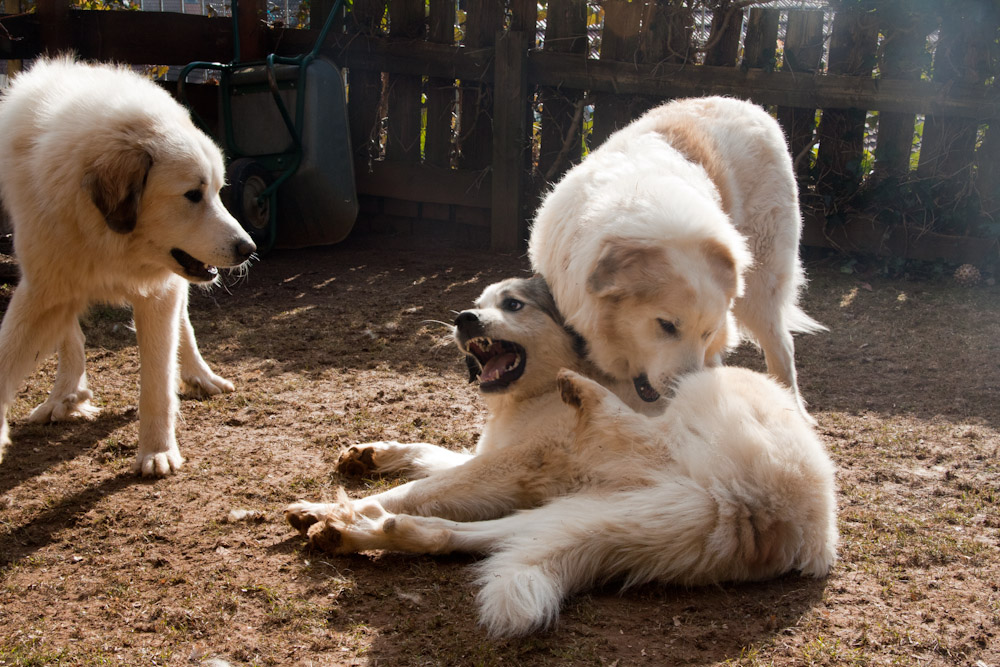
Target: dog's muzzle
x=497, y=364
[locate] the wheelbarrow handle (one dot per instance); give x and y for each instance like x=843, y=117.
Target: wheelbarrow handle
x=182, y=88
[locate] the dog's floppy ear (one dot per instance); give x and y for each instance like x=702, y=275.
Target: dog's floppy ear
x=726, y=268
x=625, y=265
x=115, y=183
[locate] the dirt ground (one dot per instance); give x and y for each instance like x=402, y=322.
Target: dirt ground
x=333, y=346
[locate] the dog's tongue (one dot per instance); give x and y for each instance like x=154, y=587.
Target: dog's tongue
x=644, y=389
x=496, y=366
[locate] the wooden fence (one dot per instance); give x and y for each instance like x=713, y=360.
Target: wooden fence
x=462, y=112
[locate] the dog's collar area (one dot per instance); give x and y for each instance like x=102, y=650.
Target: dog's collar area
x=194, y=268
x=644, y=389
x=500, y=362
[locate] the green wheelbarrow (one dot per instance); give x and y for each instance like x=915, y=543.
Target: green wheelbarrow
x=283, y=125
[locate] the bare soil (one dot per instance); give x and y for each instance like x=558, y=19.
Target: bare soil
x=333, y=346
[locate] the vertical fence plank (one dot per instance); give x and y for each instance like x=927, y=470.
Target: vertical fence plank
x=619, y=42
x=53, y=18
x=440, y=92
x=988, y=170
x=666, y=32
x=482, y=21
x=723, y=46
x=511, y=139
x=406, y=22
x=904, y=50
x=760, y=47
x=524, y=18
x=841, y=132
x=365, y=88
x=561, y=147
x=948, y=145
x=803, y=54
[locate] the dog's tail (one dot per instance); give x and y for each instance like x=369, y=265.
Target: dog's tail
x=799, y=322
x=677, y=531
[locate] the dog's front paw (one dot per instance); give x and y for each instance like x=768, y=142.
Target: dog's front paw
x=204, y=383
x=357, y=461
x=60, y=408
x=302, y=515
x=328, y=536
x=158, y=464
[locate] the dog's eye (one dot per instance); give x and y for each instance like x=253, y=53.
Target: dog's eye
x=668, y=327
x=193, y=196
x=513, y=305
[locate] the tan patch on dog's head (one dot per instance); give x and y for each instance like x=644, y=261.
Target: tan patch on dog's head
x=115, y=180
x=626, y=268
x=724, y=267
x=683, y=133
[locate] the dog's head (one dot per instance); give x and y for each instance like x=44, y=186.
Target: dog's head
x=514, y=339
x=662, y=309
x=156, y=179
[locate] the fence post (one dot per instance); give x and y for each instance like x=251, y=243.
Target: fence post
x=803, y=53
x=406, y=22
x=947, y=150
x=508, y=230
x=761, y=45
x=903, y=55
x=440, y=92
x=724, y=36
x=841, y=132
x=619, y=42
x=483, y=18
x=561, y=145
x=251, y=21
x=364, y=97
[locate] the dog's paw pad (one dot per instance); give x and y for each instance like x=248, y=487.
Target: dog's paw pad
x=300, y=516
x=326, y=536
x=357, y=462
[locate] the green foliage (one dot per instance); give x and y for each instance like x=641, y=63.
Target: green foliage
x=105, y=5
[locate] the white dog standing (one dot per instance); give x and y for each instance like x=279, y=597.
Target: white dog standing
x=113, y=196
x=688, y=214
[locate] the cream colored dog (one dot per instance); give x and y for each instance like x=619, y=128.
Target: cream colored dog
x=113, y=196
x=727, y=483
x=688, y=214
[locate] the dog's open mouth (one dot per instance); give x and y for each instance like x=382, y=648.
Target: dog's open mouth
x=501, y=362
x=644, y=389
x=193, y=268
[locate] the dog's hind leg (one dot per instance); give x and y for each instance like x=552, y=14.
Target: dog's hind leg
x=415, y=460
x=29, y=332
x=196, y=376
x=70, y=396
x=157, y=322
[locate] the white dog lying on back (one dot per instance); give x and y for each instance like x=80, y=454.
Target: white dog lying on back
x=643, y=244
x=729, y=483
x=113, y=195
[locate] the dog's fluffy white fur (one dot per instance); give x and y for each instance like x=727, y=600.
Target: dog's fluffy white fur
x=688, y=214
x=726, y=482
x=113, y=195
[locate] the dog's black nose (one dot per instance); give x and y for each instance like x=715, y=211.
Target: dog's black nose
x=465, y=318
x=245, y=248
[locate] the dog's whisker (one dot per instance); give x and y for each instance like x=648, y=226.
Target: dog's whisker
x=444, y=324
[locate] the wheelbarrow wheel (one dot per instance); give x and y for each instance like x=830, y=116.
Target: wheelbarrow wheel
x=248, y=179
